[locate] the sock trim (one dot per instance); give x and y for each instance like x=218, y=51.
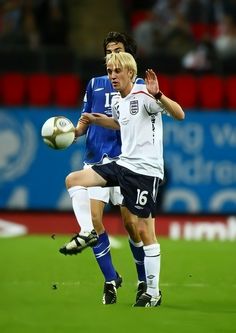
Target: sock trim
x=72, y=190
x=139, y=244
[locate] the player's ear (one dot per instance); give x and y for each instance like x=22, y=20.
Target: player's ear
x=131, y=74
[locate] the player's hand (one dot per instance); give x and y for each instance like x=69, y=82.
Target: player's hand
x=84, y=119
x=152, y=82
x=81, y=127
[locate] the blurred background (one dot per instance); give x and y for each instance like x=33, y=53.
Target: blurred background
x=49, y=49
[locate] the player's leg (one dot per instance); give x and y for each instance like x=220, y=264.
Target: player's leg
x=77, y=184
x=152, y=297
x=140, y=193
x=100, y=196
x=136, y=245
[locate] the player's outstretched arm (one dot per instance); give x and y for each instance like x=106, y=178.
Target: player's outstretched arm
x=172, y=107
x=100, y=120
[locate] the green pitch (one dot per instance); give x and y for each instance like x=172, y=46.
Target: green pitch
x=44, y=291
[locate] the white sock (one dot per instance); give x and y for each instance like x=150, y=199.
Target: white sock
x=152, y=268
x=81, y=207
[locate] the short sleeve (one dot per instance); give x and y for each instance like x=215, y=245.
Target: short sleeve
x=87, y=101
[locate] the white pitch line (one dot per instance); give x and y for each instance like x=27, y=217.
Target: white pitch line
x=192, y=285
x=188, y=285
x=77, y=283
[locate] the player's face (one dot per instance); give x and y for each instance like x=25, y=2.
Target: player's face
x=121, y=78
x=115, y=47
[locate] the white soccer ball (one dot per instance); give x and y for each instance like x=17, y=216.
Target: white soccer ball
x=58, y=132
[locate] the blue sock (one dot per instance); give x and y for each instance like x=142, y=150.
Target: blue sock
x=103, y=256
x=138, y=255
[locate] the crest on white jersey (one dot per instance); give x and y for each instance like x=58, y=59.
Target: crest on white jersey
x=133, y=107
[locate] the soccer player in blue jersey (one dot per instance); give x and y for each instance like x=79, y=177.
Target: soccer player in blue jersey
x=103, y=146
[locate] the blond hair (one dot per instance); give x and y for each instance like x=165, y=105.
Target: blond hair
x=123, y=60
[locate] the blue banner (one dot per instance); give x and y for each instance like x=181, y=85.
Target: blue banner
x=32, y=175
x=200, y=158
x=200, y=155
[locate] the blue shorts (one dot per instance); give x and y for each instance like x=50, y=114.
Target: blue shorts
x=139, y=191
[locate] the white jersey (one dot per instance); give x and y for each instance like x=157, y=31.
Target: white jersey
x=140, y=119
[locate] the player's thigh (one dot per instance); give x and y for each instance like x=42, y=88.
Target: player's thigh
x=139, y=193
x=85, y=177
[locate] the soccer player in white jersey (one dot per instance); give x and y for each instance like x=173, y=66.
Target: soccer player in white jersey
x=137, y=113
x=103, y=145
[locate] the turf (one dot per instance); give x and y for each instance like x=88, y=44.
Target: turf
x=44, y=291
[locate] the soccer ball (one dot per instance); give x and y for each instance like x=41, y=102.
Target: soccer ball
x=58, y=132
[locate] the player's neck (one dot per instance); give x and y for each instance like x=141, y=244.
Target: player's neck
x=127, y=90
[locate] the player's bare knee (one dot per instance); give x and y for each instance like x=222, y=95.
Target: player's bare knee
x=67, y=181
x=71, y=181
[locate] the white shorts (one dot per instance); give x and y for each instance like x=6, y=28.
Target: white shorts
x=105, y=194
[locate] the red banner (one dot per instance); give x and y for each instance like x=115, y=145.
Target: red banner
x=189, y=227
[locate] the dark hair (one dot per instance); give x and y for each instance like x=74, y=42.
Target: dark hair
x=120, y=37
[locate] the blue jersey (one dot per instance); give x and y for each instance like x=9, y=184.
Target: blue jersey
x=101, y=142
